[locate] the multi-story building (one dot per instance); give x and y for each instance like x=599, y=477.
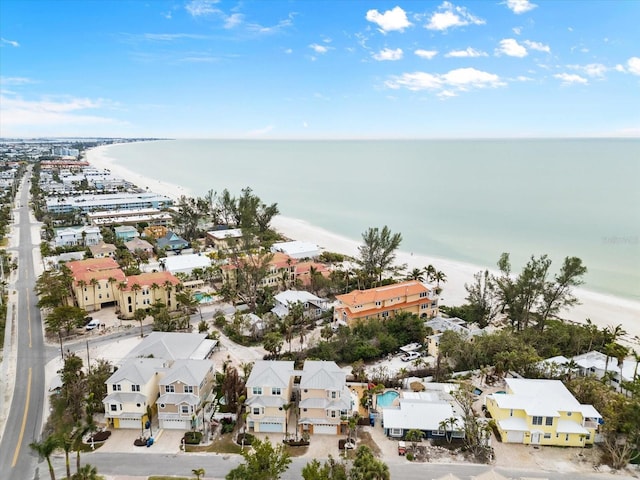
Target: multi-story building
x=107, y=201
x=382, y=302
x=542, y=412
x=144, y=290
x=96, y=282
x=269, y=396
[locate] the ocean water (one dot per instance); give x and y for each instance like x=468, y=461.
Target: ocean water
x=464, y=200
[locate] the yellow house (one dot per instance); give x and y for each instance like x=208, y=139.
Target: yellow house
x=269, y=394
x=542, y=412
x=131, y=389
x=183, y=391
x=142, y=291
x=382, y=302
x=325, y=399
x=95, y=282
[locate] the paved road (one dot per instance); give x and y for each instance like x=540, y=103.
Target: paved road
x=24, y=422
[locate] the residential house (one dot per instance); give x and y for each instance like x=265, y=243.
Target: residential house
x=138, y=245
x=281, y=270
x=172, y=242
x=381, y=302
x=225, y=240
x=439, y=325
x=297, y=249
x=597, y=364
x=130, y=390
x=307, y=273
x=185, y=263
x=173, y=346
x=126, y=232
x=103, y=250
x=313, y=306
x=325, y=400
x=542, y=412
x=144, y=290
x=155, y=231
x=269, y=391
x=83, y=236
x=184, y=389
x=95, y=282
x=433, y=411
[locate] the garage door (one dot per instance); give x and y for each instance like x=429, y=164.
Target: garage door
x=515, y=437
x=174, y=423
x=130, y=423
x=271, y=427
x=325, y=429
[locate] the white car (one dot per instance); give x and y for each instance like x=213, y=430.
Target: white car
x=92, y=324
x=409, y=356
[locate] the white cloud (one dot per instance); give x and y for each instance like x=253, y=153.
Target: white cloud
x=169, y=37
x=633, y=65
x=289, y=51
x=450, y=16
x=517, y=30
x=571, y=79
x=512, y=48
x=321, y=49
x=281, y=25
x=388, y=54
x=201, y=7
x=592, y=70
x=389, y=21
x=520, y=6
x=428, y=54
x=448, y=84
x=13, y=43
x=468, y=52
x=233, y=20
x=537, y=46
x=15, y=81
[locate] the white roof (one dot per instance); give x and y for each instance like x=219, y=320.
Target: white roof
x=138, y=371
x=177, y=263
x=517, y=424
x=187, y=371
x=271, y=373
x=297, y=249
x=224, y=234
x=321, y=374
x=419, y=415
x=598, y=361
x=567, y=426
x=170, y=345
x=289, y=297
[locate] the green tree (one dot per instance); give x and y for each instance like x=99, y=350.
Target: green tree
x=367, y=467
x=65, y=318
x=414, y=436
x=262, y=462
x=139, y=315
x=273, y=343
x=329, y=470
x=377, y=254
x=45, y=449
x=481, y=297
x=198, y=472
x=87, y=472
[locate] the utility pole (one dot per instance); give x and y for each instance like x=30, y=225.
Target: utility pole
x=88, y=359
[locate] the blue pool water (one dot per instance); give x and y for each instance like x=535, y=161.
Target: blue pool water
x=202, y=297
x=386, y=399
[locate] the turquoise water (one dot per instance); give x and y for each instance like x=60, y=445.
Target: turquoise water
x=386, y=399
x=466, y=200
x=202, y=297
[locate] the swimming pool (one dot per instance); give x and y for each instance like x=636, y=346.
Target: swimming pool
x=386, y=399
x=202, y=297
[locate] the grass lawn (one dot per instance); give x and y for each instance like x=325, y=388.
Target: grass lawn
x=163, y=477
x=222, y=444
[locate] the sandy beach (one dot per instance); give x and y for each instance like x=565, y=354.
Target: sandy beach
x=603, y=310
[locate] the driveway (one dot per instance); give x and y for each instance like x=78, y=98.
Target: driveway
x=121, y=441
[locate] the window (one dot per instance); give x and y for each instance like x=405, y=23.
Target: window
x=378, y=303
x=256, y=411
x=169, y=389
x=566, y=437
x=188, y=389
x=536, y=420
x=423, y=294
x=276, y=391
x=135, y=388
x=257, y=390
x=548, y=421
x=385, y=314
x=547, y=436
x=114, y=407
x=162, y=405
x=184, y=408
x=332, y=413
x=117, y=387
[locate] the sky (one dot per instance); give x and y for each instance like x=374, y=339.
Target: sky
x=320, y=69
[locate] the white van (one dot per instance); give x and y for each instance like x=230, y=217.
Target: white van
x=92, y=324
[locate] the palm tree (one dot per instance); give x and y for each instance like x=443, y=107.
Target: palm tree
x=430, y=272
x=135, y=288
x=88, y=472
x=416, y=274
x=66, y=441
x=439, y=277
x=448, y=425
x=139, y=315
x=45, y=449
x=93, y=282
x=286, y=408
x=198, y=472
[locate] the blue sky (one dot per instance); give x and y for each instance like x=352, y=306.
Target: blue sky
x=320, y=69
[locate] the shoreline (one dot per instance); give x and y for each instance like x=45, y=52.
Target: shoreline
x=602, y=309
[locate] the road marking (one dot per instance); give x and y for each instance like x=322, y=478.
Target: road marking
x=29, y=318
x=24, y=421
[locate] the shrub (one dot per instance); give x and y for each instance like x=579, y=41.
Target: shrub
x=410, y=456
x=192, y=438
x=247, y=437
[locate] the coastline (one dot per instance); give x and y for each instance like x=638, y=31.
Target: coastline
x=602, y=309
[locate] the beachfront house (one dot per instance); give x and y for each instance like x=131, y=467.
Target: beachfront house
x=597, y=364
x=269, y=396
x=439, y=325
x=297, y=249
x=95, y=282
x=186, y=263
x=382, y=302
x=280, y=272
x=130, y=390
x=325, y=399
x=184, y=389
x=144, y=290
x=313, y=306
x=225, y=240
x=542, y=412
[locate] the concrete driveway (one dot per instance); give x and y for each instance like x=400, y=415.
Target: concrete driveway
x=121, y=441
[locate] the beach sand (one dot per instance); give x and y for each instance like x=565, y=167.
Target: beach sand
x=603, y=310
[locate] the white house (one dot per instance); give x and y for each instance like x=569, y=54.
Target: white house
x=595, y=363
x=85, y=236
x=297, y=249
x=186, y=263
x=313, y=306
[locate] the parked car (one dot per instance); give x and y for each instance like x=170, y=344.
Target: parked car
x=402, y=448
x=92, y=324
x=409, y=356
